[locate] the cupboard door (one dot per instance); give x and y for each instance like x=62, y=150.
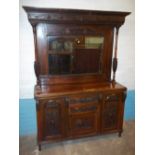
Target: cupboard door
x=53, y=119
x=83, y=125
x=110, y=112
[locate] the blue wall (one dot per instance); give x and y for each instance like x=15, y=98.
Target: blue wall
x=27, y=113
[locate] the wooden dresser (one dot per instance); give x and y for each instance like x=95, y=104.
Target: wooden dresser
x=75, y=53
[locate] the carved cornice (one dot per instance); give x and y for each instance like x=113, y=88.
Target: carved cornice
x=74, y=31
x=70, y=16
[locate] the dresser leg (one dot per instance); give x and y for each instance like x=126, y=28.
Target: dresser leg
x=39, y=146
x=120, y=134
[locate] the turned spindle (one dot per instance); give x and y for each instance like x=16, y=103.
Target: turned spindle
x=36, y=64
x=115, y=55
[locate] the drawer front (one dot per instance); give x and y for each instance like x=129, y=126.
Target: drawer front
x=110, y=97
x=83, y=103
x=79, y=108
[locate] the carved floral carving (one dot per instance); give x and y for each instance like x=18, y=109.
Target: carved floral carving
x=83, y=124
x=110, y=114
x=52, y=114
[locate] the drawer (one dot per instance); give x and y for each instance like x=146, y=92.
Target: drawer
x=112, y=97
x=83, y=108
x=83, y=104
x=87, y=98
x=84, y=113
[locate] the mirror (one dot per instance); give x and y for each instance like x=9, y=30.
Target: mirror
x=75, y=54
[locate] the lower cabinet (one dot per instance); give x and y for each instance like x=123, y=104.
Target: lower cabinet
x=79, y=116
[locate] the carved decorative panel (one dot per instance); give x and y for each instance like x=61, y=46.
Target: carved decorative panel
x=53, y=118
x=83, y=124
x=72, y=30
x=110, y=116
x=36, y=15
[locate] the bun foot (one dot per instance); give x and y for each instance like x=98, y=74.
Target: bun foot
x=39, y=146
x=120, y=134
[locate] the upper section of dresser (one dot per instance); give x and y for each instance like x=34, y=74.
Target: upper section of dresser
x=74, y=46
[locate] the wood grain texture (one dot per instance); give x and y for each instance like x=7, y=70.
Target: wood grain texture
x=72, y=106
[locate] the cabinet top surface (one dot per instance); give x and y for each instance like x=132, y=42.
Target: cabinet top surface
x=70, y=89
x=76, y=11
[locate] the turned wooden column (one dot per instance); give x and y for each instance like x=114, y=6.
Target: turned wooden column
x=115, y=60
x=36, y=64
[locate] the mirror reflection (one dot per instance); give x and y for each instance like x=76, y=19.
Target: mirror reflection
x=75, y=55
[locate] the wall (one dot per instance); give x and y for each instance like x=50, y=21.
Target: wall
x=125, y=72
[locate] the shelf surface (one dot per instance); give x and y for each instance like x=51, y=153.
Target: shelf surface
x=67, y=89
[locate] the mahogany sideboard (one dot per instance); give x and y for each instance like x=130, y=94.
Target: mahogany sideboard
x=75, y=53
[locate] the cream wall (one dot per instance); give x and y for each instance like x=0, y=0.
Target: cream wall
x=126, y=55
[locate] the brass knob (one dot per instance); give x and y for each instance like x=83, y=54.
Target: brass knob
x=108, y=97
x=77, y=41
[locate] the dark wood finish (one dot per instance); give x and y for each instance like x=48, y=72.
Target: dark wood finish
x=115, y=55
x=85, y=101
x=53, y=118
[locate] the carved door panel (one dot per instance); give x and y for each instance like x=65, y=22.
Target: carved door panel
x=110, y=112
x=53, y=119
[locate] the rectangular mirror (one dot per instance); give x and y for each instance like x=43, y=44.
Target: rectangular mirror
x=75, y=54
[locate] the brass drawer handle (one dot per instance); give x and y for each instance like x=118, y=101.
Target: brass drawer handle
x=108, y=97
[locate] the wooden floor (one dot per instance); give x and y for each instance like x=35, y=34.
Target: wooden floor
x=98, y=145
